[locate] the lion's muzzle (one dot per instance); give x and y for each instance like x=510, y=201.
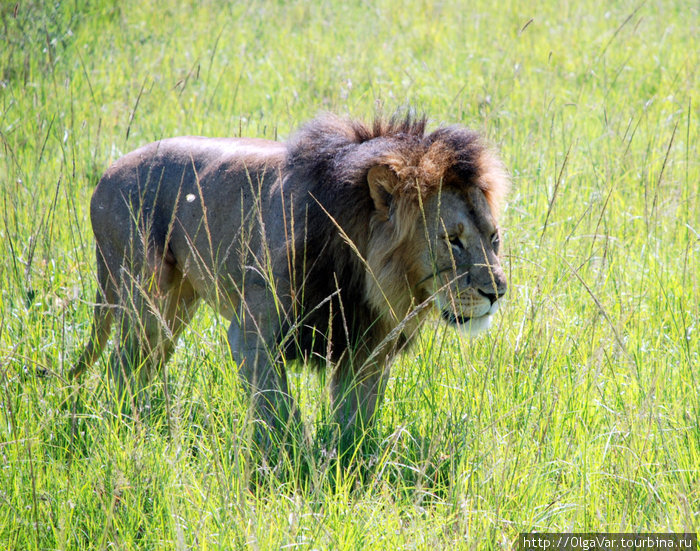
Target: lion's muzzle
x=472, y=310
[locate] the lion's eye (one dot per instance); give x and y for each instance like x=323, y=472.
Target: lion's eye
x=455, y=241
x=495, y=241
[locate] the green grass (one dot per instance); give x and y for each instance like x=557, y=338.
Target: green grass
x=579, y=411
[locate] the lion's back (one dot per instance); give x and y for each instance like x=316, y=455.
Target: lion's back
x=187, y=195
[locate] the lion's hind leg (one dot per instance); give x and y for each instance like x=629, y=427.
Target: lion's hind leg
x=155, y=306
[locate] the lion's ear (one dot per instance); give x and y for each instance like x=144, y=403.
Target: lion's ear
x=382, y=181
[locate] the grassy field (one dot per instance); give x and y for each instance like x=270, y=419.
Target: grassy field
x=579, y=411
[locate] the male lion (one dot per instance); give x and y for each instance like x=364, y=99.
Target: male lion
x=327, y=249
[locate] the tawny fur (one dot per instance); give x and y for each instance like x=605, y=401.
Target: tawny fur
x=328, y=249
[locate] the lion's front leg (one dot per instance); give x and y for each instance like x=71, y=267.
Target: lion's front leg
x=264, y=379
x=355, y=398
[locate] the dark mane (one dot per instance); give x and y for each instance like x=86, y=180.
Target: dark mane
x=396, y=125
x=330, y=147
x=341, y=151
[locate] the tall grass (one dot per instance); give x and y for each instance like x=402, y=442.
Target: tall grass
x=578, y=411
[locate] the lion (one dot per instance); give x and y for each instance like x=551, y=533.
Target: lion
x=330, y=249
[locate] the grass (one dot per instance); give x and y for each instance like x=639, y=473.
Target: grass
x=579, y=411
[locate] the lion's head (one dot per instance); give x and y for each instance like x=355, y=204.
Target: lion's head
x=439, y=198
x=420, y=209
x=445, y=233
